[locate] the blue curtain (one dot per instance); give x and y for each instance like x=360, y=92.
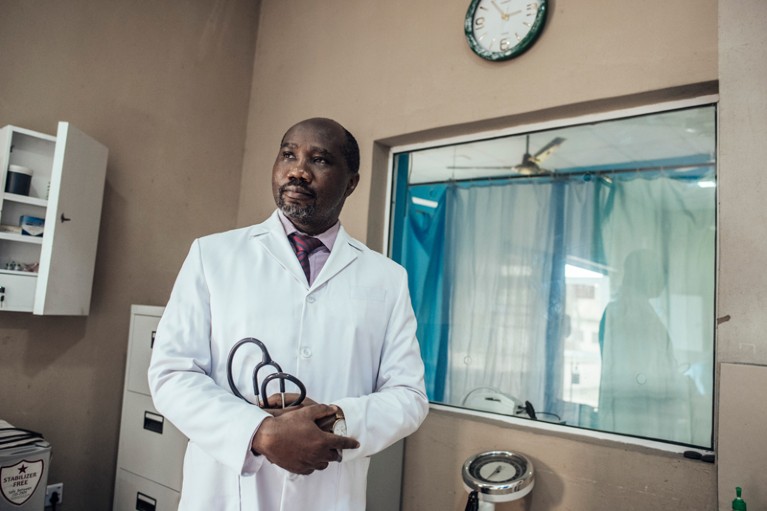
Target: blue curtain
x=424, y=255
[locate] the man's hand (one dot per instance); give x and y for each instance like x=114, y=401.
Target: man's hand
x=275, y=400
x=294, y=442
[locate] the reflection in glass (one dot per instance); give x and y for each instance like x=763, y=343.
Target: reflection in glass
x=642, y=391
x=578, y=293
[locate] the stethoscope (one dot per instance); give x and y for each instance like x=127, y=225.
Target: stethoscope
x=260, y=391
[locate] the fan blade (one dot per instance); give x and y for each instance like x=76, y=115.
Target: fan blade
x=546, y=150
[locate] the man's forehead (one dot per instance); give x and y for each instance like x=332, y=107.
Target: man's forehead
x=318, y=136
x=321, y=127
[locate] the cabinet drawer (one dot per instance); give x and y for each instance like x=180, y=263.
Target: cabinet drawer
x=19, y=292
x=142, y=332
x=134, y=493
x=149, y=444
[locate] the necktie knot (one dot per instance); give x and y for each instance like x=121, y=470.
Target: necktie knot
x=303, y=246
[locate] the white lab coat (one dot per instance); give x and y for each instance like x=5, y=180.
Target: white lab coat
x=350, y=338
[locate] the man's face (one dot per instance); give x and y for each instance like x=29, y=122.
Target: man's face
x=310, y=177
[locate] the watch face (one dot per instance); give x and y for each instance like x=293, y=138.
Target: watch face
x=503, y=29
x=339, y=427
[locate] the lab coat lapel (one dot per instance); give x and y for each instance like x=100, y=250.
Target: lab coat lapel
x=345, y=251
x=272, y=236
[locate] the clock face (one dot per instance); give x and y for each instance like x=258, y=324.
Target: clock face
x=503, y=29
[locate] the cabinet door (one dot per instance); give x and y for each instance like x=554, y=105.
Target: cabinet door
x=71, y=224
x=17, y=292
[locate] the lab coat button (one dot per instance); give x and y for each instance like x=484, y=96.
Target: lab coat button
x=310, y=299
x=306, y=352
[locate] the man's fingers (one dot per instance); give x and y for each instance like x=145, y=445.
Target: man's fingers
x=344, y=442
x=318, y=411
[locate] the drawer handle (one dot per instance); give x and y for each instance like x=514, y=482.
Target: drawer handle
x=153, y=422
x=145, y=502
x=151, y=343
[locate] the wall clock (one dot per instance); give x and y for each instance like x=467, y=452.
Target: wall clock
x=503, y=29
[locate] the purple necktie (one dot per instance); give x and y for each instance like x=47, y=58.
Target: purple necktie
x=304, y=245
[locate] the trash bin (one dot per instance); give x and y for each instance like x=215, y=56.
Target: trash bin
x=24, y=461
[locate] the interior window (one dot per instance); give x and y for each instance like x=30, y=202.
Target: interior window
x=567, y=275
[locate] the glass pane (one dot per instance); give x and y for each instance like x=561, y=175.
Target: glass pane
x=568, y=275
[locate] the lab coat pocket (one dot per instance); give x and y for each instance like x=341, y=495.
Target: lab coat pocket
x=352, y=483
x=316, y=491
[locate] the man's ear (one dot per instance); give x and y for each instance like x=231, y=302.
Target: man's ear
x=352, y=184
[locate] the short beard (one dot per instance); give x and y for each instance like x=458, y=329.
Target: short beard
x=300, y=214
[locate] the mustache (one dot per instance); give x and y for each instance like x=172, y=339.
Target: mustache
x=296, y=184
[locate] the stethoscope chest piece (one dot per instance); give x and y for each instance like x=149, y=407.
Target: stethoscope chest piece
x=497, y=476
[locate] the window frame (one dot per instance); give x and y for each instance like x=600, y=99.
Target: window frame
x=549, y=427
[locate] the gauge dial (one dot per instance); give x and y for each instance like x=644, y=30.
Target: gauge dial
x=496, y=471
x=498, y=476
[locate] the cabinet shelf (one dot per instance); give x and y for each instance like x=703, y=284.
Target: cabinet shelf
x=20, y=273
x=24, y=199
x=34, y=240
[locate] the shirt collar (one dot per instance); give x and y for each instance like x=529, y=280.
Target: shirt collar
x=328, y=238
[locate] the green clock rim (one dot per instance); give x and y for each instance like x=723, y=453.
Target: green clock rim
x=518, y=49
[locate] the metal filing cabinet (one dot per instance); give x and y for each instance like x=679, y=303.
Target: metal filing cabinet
x=151, y=452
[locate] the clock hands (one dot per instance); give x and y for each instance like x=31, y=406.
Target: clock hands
x=504, y=16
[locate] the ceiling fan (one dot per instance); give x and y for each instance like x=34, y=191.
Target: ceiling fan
x=530, y=165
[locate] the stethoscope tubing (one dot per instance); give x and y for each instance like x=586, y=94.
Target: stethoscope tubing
x=266, y=360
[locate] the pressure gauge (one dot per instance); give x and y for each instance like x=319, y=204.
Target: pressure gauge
x=498, y=476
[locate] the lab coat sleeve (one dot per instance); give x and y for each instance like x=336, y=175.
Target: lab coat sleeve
x=179, y=376
x=399, y=404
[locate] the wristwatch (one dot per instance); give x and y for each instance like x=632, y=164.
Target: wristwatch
x=335, y=424
x=339, y=425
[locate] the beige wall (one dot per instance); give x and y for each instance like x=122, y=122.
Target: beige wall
x=387, y=69
x=400, y=71
x=741, y=342
x=165, y=85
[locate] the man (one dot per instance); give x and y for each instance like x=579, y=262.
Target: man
x=344, y=327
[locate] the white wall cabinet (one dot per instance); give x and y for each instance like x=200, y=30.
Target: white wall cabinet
x=151, y=450
x=53, y=273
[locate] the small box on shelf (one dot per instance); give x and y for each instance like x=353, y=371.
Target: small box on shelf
x=31, y=225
